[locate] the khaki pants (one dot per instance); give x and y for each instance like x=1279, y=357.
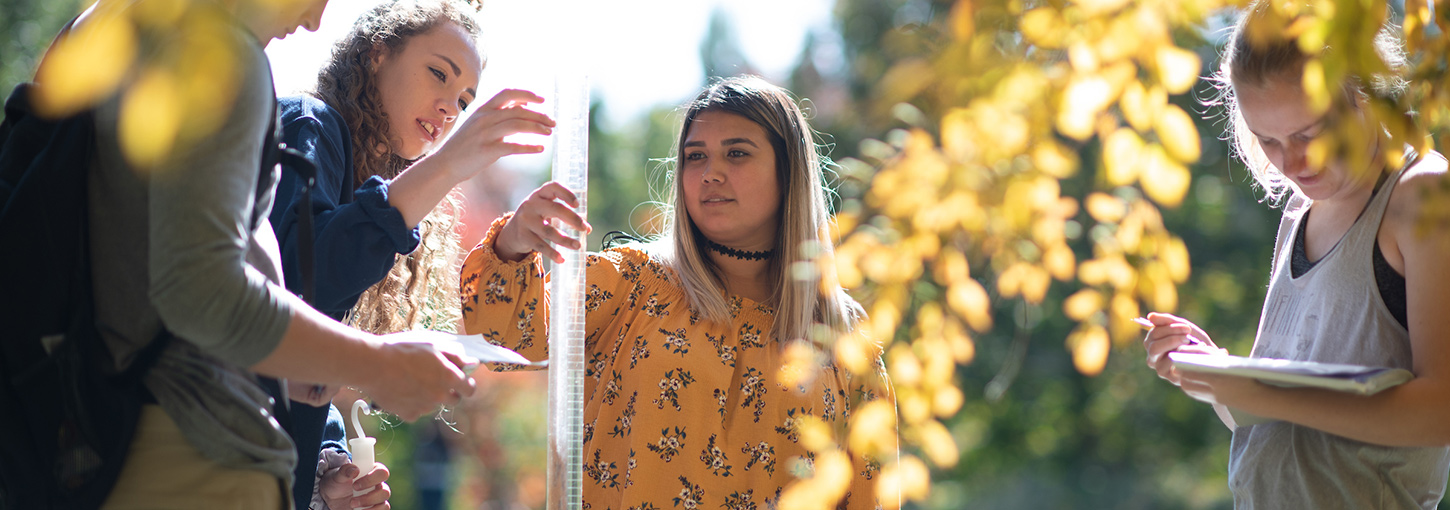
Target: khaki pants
x=163, y=471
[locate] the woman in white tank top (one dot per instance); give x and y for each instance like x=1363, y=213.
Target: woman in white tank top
x=1352, y=281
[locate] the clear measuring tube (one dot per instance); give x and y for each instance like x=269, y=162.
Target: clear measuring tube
x=566, y=296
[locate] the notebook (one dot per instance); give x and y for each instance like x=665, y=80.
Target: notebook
x=1357, y=379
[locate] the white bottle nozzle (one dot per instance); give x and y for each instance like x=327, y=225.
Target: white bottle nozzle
x=361, y=446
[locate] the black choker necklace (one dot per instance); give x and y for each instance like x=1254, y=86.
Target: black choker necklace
x=739, y=254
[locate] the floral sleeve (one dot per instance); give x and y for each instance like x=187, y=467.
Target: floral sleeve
x=508, y=302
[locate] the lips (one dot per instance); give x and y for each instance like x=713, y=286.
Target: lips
x=716, y=200
x=429, y=128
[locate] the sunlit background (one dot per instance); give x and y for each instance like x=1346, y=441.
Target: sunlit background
x=1016, y=180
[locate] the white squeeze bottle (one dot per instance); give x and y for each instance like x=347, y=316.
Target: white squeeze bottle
x=362, y=445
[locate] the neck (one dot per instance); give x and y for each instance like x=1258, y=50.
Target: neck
x=745, y=276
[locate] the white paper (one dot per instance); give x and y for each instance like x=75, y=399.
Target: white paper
x=477, y=347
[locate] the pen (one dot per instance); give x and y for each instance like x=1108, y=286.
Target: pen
x=1147, y=324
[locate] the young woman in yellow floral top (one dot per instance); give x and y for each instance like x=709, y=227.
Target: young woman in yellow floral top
x=686, y=403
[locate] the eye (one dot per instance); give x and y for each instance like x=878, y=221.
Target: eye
x=736, y=153
x=1267, y=143
x=693, y=156
x=438, y=74
x=462, y=105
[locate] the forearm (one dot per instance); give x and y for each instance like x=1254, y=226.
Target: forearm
x=1224, y=416
x=1412, y=414
x=320, y=350
x=417, y=190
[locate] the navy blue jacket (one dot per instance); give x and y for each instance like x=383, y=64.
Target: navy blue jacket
x=355, y=243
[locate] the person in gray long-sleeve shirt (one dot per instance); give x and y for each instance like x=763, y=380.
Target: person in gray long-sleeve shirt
x=185, y=246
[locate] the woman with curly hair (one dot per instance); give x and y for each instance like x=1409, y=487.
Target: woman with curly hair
x=693, y=400
x=384, y=213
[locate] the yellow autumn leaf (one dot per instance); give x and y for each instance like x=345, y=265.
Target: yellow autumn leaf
x=904, y=80
x=846, y=271
x=958, y=136
x=947, y=401
x=85, y=66
x=854, y=351
x=873, y=428
x=815, y=435
x=1177, y=68
x=1082, y=100
x=1137, y=106
x=1042, y=26
x=1105, y=208
x=904, y=367
x=969, y=301
x=1122, y=309
x=1083, y=57
x=1130, y=232
x=1035, y=282
x=908, y=477
x=832, y=476
x=1163, y=179
x=963, y=24
x=1082, y=304
x=963, y=349
x=1089, y=350
x=1099, y=7
x=1175, y=258
x=914, y=405
x=1317, y=154
x=1120, y=41
x=938, y=444
x=951, y=267
x=1120, y=274
x=1009, y=281
x=929, y=319
x=937, y=370
x=150, y=119
x=1122, y=155
x=1060, y=262
x=1092, y=272
x=1177, y=134
x=1316, y=86
x=1164, y=293
x=1052, y=159
x=799, y=366
x=885, y=315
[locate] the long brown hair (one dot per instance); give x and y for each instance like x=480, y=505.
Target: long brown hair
x=420, y=289
x=799, y=302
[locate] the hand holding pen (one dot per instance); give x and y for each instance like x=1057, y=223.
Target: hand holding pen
x=1168, y=333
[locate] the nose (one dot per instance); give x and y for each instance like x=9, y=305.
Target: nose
x=312, y=19
x=1294, y=157
x=448, y=109
x=712, y=174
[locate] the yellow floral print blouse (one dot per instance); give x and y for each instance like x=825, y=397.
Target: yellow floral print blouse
x=679, y=412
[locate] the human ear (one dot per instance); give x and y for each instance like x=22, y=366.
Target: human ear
x=376, y=56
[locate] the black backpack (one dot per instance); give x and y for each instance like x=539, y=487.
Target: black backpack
x=68, y=417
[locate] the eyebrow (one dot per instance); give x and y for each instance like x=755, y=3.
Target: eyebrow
x=1311, y=125
x=456, y=72
x=728, y=141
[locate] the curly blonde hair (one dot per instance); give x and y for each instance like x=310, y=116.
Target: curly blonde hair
x=420, y=290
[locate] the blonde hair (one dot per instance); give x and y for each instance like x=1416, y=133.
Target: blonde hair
x=1249, y=62
x=800, y=303
x=420, y=289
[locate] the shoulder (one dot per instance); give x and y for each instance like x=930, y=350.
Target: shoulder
x=636, y=263
x=310, y=111
x=1427, y=175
